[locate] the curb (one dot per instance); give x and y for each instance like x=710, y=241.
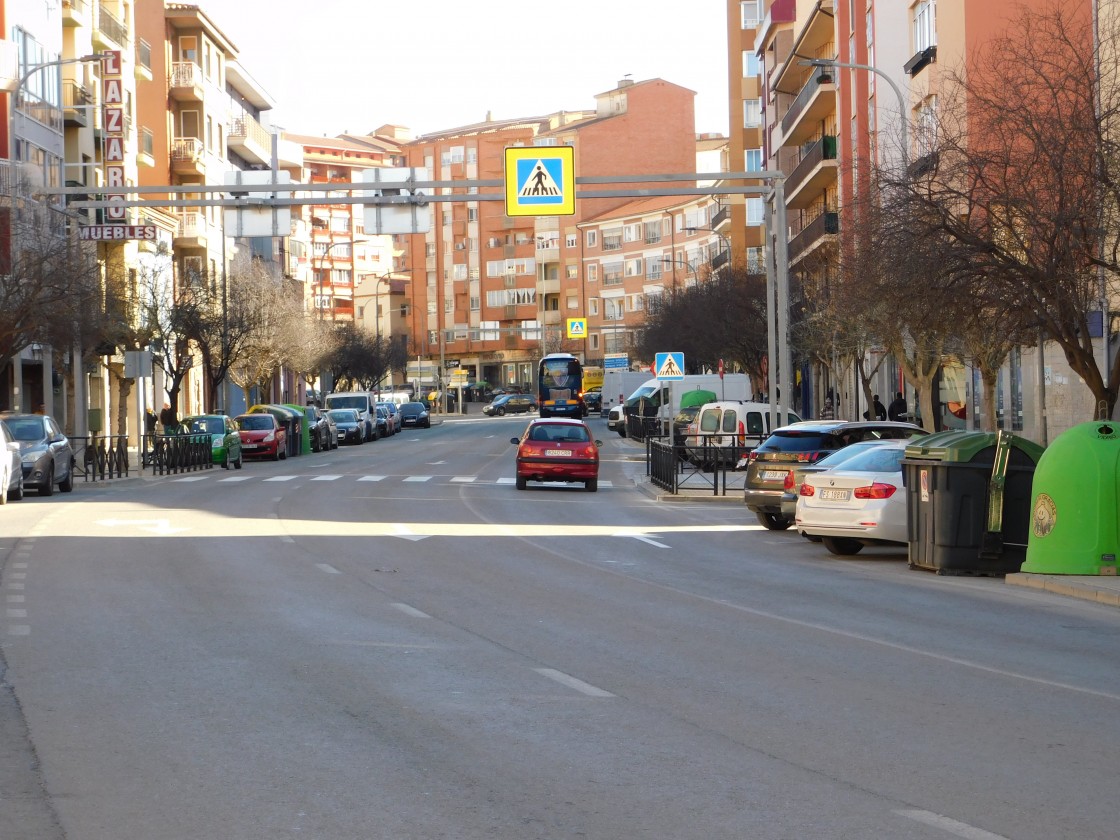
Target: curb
x=1101, y=590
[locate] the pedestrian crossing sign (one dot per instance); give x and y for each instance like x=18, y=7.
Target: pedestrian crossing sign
x=540, y=181
x=577, y=328
x=669, y=365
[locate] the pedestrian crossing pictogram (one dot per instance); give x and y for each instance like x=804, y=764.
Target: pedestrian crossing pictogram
x=540, y=181
x=577, y=328
x=669, y=365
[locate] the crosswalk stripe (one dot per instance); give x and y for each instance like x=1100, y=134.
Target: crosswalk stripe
x=194, y=478
x=238, y=478
x=282, y=478
x=463, y=478
x=326, y=478
x=418, y=478
x=372, y=478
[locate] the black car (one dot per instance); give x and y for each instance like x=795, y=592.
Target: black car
x=349, y=425
x=415, y=414
x=319, y=429
x=805, y=443
x=384, y=424
x=593, y=399
x=510, y=404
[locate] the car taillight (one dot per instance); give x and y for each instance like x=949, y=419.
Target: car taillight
x=789, y=484
x=806, y=489
x=878, y=490
x=752, y=455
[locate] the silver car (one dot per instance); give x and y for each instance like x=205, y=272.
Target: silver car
x=11, y=472
x=45, y=452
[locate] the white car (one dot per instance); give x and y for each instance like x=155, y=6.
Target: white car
x=11, y=469
x=857, y=503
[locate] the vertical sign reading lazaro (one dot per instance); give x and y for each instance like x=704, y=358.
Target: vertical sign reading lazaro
x=112, y=94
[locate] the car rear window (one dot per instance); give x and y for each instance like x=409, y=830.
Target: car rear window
x=799, y=442
x=876, y=459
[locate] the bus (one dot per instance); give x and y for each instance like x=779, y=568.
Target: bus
x=560, y=386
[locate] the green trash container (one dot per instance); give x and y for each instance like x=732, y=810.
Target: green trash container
x=947, y=477
x=1074, y=522
x=304, y=426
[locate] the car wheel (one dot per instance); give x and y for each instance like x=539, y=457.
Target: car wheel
x=499, y=411
x=283, y=455
x=842, y=545
x=276, y=453
x=48, y=486
x=773, y=521
x=17, y=494
x=67, y=484
x=4, y=493
x=522, y=483
x=592, y=484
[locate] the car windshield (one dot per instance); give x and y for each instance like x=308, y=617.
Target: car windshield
x=413, y=407
x=343, y=415
x=256, y=422
x=877, y=459
x=559, y=433
x=207, y=426
x=356, y=401
x=27, y=428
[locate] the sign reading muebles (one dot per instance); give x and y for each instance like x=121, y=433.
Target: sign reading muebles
x=107, y=233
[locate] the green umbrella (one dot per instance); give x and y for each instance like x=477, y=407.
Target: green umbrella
x=697, y=397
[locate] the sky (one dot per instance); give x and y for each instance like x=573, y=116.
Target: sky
x=334, y=66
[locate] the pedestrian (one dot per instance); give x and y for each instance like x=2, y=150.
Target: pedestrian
x=879, y=409
x=168, y=419
x=149, y=421
x=897, y=409
x=827, y=411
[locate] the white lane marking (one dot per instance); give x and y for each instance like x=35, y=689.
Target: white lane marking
x=282, y=478
x=951, y=826
x=19, y=630
x=412, y=611
x=455, y=479
x=326, y=478
x=237, y=478
x=418, y=478
x=192, y=478
x=16, y=599
x=18, y=575
x=11, y=613
x=372, y=478
x=507, y=480
x=16, y=586
x=330, y=570
x=404, y=532
x=572, y=682
x=647, y=540
x=19, y=565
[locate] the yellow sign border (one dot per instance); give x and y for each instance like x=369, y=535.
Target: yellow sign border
x=567, y=157
x=571, y=321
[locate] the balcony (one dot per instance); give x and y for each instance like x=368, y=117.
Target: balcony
x=144, y=61
x=76, y=103
x=187, y=83
x=146, y=155
x=109, y=33
x=192, y=231
x=815, y=171
x=248, y=138
x=814, y=235
x=719, y=218
x=720, y=260
x=75, y=12
x=188, y=156
x=815, y=101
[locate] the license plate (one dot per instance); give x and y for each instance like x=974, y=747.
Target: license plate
x=560, y=453
x=835, y=495
x=774, y=475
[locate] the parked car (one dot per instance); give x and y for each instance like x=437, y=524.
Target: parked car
x=557, y=449
x=262, y=436
x=321, y=435
x=805, y=443
x=797, y=474
x=332, y=429
x=858, y=502
x=510, y=404
x=383, y=423
x=593, y=399
x=46, y=456
x=349, y=423
x=394, y=416
x=11, y=471
x=415, y=414
x=225, y=438
x=616, y=420
x=724, y=429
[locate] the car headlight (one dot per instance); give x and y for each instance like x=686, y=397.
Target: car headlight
x=30, y=457
x=216, y=441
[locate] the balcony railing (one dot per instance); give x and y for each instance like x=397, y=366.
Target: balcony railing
x=826, y=223
x=144, y=55
x=803, y=98
x=823, y=149
x=192, y=225
x=720, y=217
x=111, y=27
x=186, y=150
x=185, y=74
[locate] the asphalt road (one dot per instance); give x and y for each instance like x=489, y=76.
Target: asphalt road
x=391, y=641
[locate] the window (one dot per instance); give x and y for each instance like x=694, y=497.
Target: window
x=751, y=65
x=653, y=268
x=612, y=239
x=754, y=260
x=571, y=272
x=570, y=240
x=572, y=302
x=756, y=211
x=612, y=273
x=592, y=238
x=631, y=233
x=926, y=124
x=925, y=25
x=634, y=268
x=754, y=160
x=592, y=272
x=749, y=10
x=752, y=113
x=594, y=304
x=653, y=232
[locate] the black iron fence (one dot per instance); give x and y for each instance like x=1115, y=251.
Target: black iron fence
x=170, y=454
x=99, y=457
x=706, y=465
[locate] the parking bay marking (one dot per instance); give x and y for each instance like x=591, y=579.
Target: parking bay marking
x=955, y=827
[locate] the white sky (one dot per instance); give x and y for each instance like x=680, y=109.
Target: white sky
x=353, y=65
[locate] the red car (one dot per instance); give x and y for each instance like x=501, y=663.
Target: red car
x=262, y=436
x=557, y=449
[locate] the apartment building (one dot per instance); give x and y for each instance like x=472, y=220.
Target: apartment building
x=495, y=287
x=743, y=221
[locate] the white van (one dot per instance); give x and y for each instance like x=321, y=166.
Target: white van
x=362, y=402
x=396, y=397
x=723, y=431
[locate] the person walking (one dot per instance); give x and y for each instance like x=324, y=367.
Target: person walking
x=168, y=419
x=897, y=409
x=877, y=410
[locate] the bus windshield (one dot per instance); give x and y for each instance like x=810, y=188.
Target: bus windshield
x=560, y=386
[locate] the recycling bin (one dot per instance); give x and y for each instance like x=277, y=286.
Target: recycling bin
x=304, y=427
x=948, y=479
x=1074, y=521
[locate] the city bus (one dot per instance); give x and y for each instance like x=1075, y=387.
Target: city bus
x=560, y=386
